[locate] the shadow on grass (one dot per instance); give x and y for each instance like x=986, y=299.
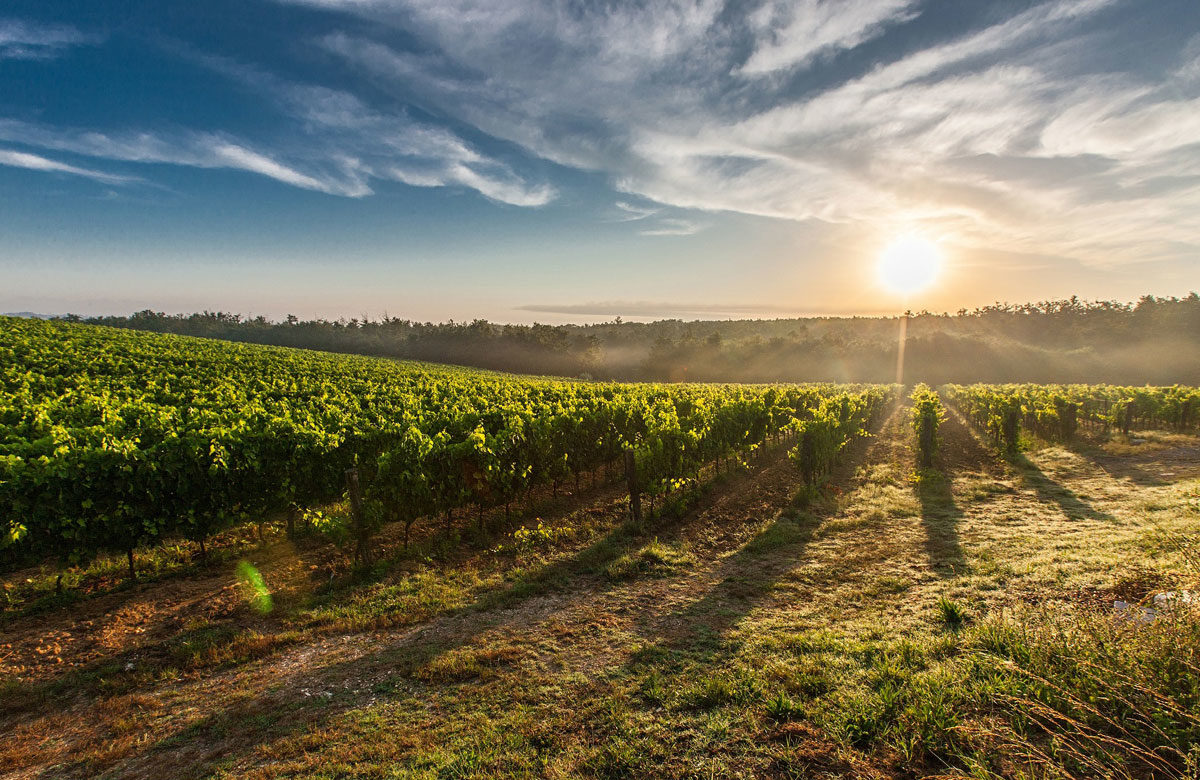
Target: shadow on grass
x=940, y=516
x=699, y=629
x=1050, y=492
x=282, y=709
x=125, y=670
x=298, y=698
x=1134, y=466
x=746, y=579
x=303, y=696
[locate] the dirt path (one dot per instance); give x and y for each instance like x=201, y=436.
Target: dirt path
x=126, y=622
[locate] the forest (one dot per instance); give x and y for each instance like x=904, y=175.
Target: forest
x=1155, y=341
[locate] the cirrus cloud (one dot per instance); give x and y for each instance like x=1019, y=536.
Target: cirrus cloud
x=20, y=40
x=35, y=162
x=744, y=112
x=337, y=144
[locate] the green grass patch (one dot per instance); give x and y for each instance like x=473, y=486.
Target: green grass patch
x=411, y=598
x=654, y=559
x=467, y=663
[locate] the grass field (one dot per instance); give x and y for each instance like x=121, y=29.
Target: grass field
x=954, y=621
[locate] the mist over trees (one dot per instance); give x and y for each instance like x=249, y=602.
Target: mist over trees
x=1155, y=341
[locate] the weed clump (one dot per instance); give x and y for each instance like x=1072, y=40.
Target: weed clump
x=783, y=708
x=953, y=614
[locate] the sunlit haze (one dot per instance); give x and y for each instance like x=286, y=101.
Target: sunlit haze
x=909, y=265
x=535, y=160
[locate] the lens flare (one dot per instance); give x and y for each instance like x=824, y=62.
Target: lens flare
x=254, y=587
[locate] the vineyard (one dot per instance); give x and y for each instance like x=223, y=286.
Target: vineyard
x=1055, y=412
x=111, y=440
x=252, y=561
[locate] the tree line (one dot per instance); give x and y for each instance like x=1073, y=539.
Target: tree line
x=1155, y=340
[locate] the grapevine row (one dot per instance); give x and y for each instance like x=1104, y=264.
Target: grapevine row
x=111, y=439
x=927, y=415
x=1054, y=412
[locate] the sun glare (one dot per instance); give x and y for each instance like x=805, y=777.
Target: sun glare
x=909, y=264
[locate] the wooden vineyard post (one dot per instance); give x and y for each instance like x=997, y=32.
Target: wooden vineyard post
x=356, y=516
x=635, y=497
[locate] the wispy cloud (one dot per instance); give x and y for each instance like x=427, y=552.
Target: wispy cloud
x=632, y=213
x=198, y=150
x=36, y=162
x=710, y=117
x=231, y=155
x=653, y=222
x=384, y=145
x=995, y=127
x=400, y=157
x=669, y=226
x=338, y=145
x=501, y=185
x=793, y=33
x=21, y=40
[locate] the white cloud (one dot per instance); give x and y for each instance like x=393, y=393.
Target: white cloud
x=1005, y=136
x=654, y=222
x=415, y=177
x=793, y=33
x=502, y=187
x=346, y=146
x=198, y=150
x=672, y=226
x=633, y=213
x=688, y=121
x=1128, y=123
x=376, y=144
x=31, y=41
x=338, y=144
x=233, y=156
x=36, y=162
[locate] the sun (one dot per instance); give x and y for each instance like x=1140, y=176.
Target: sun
x=909, y=264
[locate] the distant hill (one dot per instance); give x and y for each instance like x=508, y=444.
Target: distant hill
x=1152, y=341
x=29, y=315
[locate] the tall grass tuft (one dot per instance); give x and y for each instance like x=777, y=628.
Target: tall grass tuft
x=1094, y=695
x=954, y=615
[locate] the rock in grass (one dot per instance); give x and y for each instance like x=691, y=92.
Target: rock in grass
x=1134, y=612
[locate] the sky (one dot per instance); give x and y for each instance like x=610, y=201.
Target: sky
x=571, y=161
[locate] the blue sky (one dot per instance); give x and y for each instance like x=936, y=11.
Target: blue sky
x=566, y=161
